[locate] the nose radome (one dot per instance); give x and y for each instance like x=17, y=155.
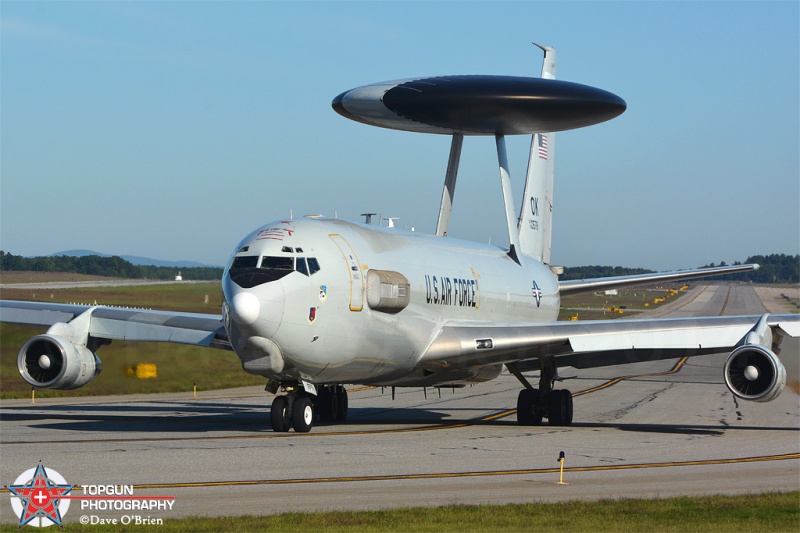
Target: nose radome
x=244, y=308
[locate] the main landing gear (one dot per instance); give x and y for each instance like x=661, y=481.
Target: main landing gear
x=535, y=404
x=332, y=403
x=298, y=407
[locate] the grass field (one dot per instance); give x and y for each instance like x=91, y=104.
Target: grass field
x=626, y=303
x=190, y=297
x=774, y=512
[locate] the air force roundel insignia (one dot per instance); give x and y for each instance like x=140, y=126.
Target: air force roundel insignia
x=537, y=294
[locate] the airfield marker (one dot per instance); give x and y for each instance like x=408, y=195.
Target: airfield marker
x=33, y=394
x=561, y=473
x=195, y=390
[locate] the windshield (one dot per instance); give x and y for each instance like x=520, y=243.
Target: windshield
x=278, y=263
x=249, y=271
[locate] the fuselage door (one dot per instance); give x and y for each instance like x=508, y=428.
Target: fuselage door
x=354, y=268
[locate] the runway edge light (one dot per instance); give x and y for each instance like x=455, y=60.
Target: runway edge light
x=561, y=457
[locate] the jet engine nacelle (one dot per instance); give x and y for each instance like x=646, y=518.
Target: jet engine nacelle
x=52, y=362
x=754, y=373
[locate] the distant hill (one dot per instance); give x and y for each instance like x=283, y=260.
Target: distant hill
x=134, y=259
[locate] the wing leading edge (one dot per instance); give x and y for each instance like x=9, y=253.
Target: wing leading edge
x=616, y=282
x=591, y=344
x=114, y=323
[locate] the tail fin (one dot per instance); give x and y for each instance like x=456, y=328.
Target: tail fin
x=536, y=214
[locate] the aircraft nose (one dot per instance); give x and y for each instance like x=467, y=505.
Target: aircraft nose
x=256, y=311
x=244, y=308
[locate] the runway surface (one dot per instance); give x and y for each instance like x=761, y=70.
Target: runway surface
x=667, y=428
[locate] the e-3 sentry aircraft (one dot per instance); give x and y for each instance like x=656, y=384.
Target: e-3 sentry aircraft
x=314, y=303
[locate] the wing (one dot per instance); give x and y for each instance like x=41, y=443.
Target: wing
x=573, y=286
x=113, y=323
x=591, y=344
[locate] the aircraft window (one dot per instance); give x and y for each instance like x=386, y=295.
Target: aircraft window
x=287, y=249
x=243, y=249
x=277, y=263
x=298, y=250
x=300, y=264
x=247, y=261
x=246, y=272
x=313, y=265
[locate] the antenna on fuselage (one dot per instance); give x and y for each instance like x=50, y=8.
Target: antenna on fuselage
x=368, y=217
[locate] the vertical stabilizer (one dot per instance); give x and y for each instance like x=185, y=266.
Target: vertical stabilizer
x=536, y=214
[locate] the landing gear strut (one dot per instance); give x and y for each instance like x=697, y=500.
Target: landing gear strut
x=298, y=407
x=535, y=404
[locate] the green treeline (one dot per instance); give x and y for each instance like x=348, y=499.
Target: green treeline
x=94, y=265
x=775, y=268
x=597, y=271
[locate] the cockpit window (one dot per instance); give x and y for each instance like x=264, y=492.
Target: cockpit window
x=278, y=263
x=300, y=265
x=313, y=265
x=247, y=261
x=250, y=270
x=308, y=269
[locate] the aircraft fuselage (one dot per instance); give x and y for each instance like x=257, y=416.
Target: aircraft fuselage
x=329, y=301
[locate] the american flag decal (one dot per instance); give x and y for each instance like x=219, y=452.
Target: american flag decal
x=542, y=147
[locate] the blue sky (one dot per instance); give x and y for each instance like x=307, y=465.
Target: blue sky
x=172, y=129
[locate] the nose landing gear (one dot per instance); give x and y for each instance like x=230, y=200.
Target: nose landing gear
x=281, y=414
x=298, y=407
